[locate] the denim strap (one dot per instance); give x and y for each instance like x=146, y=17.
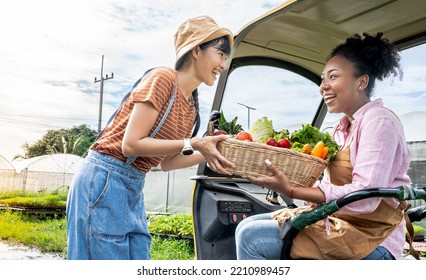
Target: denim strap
x=122, y=102
x=131, y=159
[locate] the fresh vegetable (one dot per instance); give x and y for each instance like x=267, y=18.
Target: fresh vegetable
x=317, y=150
x=272, y=142
x=231, y=127
x=324, y=153
x=309, y=139
x=307, y=149
x=284, y=143
x=244, y=136
x=282, y=134
x=220, y=132
x=311, y=135
x=262, y=130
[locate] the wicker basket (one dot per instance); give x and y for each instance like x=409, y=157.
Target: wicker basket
x=249, y=158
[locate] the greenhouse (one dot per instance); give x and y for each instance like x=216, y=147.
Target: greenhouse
x=165, y=192
x=7, y=174
x=417, y=170
x=43, y=173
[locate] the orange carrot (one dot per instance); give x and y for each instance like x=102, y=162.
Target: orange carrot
x=307, y=148
x=317, y=150
x=324, y=153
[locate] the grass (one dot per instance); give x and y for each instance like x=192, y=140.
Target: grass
x=177, y=224
x=34, y=199
x=176, y=246
x=163, y=248
x=49, y=234
x=46, y=234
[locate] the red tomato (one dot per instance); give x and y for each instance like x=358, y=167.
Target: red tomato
x=284, y=143
x=244, y=136
x=220, y=132
x=272, y=142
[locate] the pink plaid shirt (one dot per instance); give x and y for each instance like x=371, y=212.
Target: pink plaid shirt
x=380, y=158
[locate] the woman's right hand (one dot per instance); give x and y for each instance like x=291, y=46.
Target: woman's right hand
x=207, y=147
x=278, y=182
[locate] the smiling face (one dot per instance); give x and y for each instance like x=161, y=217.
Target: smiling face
x=341, y=90
x=210, y=63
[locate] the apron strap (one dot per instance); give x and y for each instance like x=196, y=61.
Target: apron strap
x=409, y=236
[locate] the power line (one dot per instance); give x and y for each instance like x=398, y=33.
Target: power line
x=17, y=120
x=102, y=91
x=27, y=123
x=44, y=117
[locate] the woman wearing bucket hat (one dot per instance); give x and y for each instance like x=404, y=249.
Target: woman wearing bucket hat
x=105, y=208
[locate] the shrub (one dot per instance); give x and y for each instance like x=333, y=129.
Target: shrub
x=176, y=224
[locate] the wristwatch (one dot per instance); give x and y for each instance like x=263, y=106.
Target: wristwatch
x=187, y=148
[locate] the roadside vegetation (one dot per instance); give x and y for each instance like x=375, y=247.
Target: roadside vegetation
x=171, y=234
x=75, y=140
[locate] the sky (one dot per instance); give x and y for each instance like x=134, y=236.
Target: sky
x=51, y=52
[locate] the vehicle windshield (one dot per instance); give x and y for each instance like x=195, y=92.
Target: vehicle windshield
x=286, y=98
x=290, y=100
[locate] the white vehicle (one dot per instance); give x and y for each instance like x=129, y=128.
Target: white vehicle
x=274, y=71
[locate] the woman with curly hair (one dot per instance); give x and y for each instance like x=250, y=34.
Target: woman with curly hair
x=374, y=154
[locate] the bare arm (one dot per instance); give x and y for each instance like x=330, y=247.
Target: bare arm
x=136, y=142
x=280, y=183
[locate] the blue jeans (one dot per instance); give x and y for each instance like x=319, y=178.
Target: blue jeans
x=105, y=211
x=257, y=238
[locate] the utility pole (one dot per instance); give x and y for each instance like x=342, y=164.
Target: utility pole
x=248, y=109
x=102, y=92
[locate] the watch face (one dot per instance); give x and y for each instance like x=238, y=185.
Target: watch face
x=187, y=151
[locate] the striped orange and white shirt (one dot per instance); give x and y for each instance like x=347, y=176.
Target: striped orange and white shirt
x=157, y=88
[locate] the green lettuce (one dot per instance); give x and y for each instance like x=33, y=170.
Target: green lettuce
x=262, y=130
x=311, y=134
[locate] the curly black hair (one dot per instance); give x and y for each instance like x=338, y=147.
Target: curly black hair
x=371, y=55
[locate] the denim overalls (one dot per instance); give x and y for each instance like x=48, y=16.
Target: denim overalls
x=105, y=209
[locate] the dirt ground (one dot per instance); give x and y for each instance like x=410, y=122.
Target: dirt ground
x=20, y=252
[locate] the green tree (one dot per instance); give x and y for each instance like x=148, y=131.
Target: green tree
x=75, y=140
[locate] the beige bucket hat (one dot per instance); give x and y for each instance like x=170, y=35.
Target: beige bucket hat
x=196, y=31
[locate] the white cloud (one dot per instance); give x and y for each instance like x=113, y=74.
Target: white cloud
x=51, y=52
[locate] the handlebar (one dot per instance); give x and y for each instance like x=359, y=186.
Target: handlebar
x=320, y=212
x=298, y=222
